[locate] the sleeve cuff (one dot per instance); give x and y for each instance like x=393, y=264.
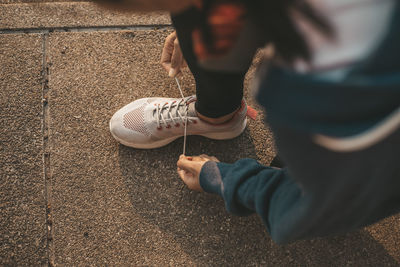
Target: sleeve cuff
x=211, y=177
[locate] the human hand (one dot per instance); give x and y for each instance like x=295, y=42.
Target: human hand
x=189, y=169
x=172, y=58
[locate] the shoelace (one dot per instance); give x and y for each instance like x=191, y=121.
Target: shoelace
x=185, y=132
x=168, y=107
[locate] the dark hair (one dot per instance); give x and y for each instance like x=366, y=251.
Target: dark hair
x=273, y=17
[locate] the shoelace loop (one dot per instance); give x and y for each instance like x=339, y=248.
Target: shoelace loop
x=172, y=112
x=167, y=108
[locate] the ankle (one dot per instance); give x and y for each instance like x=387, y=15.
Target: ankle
x=218, y=120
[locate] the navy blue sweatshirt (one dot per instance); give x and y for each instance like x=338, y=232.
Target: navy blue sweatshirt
x=336, y=123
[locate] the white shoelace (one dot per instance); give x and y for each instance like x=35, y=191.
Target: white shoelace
x=160, y=109
x=185, y=132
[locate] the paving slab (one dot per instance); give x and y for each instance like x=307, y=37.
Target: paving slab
x=71, y=14
x=387, y=233
x=23, y=233
x=114, y=205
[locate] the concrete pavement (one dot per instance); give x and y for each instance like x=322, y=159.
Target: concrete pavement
x=70, y=195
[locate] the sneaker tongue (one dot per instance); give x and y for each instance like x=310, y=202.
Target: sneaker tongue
x=192, y=110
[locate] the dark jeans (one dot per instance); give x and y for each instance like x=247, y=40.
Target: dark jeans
x=218, y=94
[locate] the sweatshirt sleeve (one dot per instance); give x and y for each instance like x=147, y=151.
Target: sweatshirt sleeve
x=248, y=187
x=321, y=202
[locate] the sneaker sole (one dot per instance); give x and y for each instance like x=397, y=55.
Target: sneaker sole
x=215, y=136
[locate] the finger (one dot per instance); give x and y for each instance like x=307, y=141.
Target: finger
x=199, y=158
x=167, y=51
x=182, y=156
x=190, y=181
x=209, y=157
x=166, y=59
x=206, y=157
x=186, y=177
x=176, y=59
x=166, y=66
x=187, y=165
x=181, y=174
x=177, y=56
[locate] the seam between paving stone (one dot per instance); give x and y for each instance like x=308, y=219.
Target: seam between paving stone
x=46, y=115
x=46, y=150
x=86, y=29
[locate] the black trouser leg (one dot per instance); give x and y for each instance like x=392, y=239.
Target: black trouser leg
x=218, y=93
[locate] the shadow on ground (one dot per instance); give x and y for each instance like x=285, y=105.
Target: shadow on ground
x=211, y=236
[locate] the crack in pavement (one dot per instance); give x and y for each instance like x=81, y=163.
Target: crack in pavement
x=46, y=150
x=47, y=30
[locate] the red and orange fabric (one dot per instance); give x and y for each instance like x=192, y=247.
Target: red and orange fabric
x=225, y=20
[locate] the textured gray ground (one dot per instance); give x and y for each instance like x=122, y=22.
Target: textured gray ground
x=22, y=187
x=71, y=195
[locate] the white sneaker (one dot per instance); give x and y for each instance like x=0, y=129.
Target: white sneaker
x=155, y=122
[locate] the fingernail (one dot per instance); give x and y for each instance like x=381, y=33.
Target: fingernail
x=172, y=73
